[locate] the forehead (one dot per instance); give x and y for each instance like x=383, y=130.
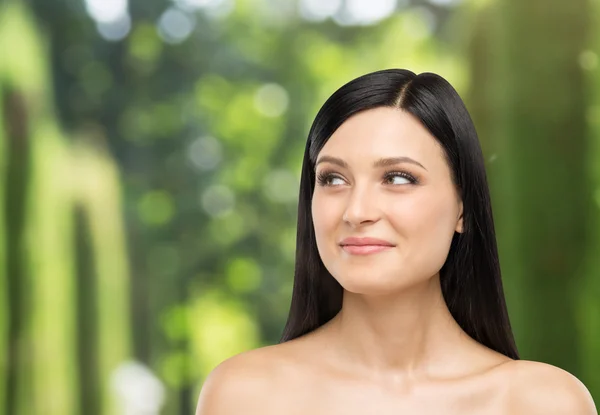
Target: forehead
x=383, y=132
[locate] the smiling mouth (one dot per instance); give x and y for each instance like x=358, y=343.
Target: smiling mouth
x=365, y=249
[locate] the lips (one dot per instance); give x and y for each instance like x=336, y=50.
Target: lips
x=365, y=249
x=365, y=246
x=365, y=241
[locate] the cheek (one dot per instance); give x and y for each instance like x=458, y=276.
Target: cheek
x=324, y=217
x=427, y=225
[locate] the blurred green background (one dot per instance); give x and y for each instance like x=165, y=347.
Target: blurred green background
x=150, y=153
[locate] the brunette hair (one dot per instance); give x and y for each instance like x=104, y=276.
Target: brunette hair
x=470, y=278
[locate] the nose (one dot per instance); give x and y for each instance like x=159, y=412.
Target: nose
x=362, y=208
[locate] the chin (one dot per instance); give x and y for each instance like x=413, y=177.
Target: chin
x=369, y=284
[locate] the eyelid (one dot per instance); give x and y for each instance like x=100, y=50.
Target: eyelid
x=401, y=173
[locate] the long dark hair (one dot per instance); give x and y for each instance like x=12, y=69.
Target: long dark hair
x=470, y=278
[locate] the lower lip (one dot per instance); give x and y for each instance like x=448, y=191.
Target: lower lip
x=365, y=249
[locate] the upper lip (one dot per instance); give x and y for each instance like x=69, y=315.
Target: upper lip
x=365, y=241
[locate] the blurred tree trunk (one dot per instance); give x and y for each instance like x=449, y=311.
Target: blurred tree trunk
x=549, y=143
x=44, y=181
x=530, y=96
x=487, y=100
x=97, y=191
x=4, y=285
x=589, y=306
x=86, y=317
x=34, y=354
x=18, y=369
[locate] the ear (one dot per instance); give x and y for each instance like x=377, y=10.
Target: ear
x=459, y=224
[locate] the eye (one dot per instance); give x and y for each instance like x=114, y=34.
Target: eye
x=401, y=176
x=395, y=178
x=324, y=178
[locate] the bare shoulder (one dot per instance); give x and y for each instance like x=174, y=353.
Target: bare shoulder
x=541, y=388
x=238, y=384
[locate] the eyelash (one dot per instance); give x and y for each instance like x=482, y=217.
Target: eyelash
x=323, y=177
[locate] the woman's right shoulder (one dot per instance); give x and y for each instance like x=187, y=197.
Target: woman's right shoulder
x=239, y=384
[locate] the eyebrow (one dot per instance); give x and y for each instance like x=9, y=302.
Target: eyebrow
x=382, y=162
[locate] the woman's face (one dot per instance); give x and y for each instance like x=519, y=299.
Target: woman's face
x=410, y=203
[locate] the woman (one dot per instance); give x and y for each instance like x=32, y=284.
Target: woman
x=398, y=306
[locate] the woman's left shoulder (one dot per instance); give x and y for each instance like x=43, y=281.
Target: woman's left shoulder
x=541, y=388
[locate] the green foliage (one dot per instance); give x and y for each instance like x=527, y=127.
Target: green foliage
x=204, y=136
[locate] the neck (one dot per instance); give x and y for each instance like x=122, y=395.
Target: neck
x=410, y=333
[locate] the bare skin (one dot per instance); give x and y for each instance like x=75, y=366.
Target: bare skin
x=394, y=348
x=314, y=379
x=301, y=377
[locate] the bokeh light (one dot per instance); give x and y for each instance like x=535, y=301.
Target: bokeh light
x=175, y=25
x=205, y=153
x=271, y=100
x=360, y=12
x=319, y=10
x=218, y=200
